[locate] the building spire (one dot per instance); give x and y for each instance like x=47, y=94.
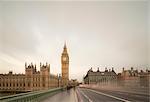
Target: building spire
x=65, y=45
x=65, y=48
x=25, y=64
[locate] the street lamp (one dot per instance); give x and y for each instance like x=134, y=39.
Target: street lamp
x=58, y=80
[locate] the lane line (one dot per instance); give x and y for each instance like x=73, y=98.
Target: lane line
x=75, y=95
x=79, y=96
x=121, y=99
x=85, y=96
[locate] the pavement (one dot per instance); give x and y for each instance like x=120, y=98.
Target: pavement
x=64, y=96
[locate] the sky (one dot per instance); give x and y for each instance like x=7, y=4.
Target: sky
x=97, y=34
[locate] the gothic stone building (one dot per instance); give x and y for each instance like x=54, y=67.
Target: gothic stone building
x=34, y=80
x=106, y=77
x=30, y=81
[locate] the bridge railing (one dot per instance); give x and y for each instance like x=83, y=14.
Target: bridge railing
x=36, y=96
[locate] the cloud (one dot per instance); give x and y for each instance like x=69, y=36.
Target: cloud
x=98, y=34
x=8, y=59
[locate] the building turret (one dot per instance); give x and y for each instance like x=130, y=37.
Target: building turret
x=30, y=70
x=112, y=69
x=98, y=69
x=106, y=70
x=123, y=69
x=44, y=76
x=25, y=64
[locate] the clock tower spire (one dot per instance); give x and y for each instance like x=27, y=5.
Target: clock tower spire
x=65, y=66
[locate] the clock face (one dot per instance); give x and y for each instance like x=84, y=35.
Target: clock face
x=64, y=58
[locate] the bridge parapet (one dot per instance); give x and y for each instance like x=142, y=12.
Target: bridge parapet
x=35, y=96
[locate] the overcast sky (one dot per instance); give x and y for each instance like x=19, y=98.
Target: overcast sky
x=97, y=34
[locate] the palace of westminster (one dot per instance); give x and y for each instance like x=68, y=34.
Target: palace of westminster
x=34, y=80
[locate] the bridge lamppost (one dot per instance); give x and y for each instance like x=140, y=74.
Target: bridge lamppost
x=59, y=80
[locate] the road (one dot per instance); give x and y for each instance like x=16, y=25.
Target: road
x=92, y=95
x=89, y=95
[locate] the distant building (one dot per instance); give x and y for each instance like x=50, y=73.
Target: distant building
x=133, y=78
x=106, y=77
x=127, y=78
x=36, y=80
x=145, y=78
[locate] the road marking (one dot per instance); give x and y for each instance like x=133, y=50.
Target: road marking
x=79, y=96
x=86, y=96
x=75, y=95
x=121, y=99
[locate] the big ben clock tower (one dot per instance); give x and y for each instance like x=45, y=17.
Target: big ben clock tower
x=65, y=66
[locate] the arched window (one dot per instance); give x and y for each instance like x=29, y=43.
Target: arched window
x=28, y=84
x=43, y=85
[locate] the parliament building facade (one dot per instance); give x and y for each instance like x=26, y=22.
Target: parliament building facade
x=34, y=80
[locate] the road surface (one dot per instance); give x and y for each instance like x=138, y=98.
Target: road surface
x=92, y=95
x=89, y=95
